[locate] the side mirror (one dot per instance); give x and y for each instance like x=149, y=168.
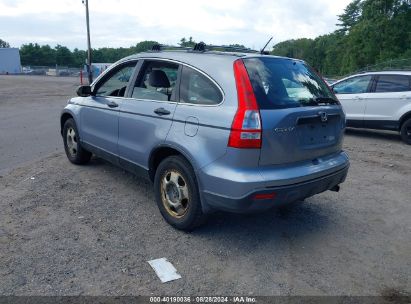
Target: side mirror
x=84, y=91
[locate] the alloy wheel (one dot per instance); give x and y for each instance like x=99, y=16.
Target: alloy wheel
x=71, y=141
x=175, y=193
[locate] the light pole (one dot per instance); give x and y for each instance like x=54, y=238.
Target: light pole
x=89, y=70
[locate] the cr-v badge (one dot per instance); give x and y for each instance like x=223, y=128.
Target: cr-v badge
x=282, y=130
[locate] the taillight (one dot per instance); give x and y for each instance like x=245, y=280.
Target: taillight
x=246, y=126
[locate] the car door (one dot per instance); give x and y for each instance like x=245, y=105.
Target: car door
x=146, y=116
x=389, y=94
x=352, y=93
x=99, y=115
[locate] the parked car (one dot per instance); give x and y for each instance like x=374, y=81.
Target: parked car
x=26, y=70
x=36, y=71
x=330, y=81
x=63, y=73
x=377, y=100
x=240, y=132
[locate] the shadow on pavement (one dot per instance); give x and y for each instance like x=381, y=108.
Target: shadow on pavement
x=289, y=222
x=377, y=134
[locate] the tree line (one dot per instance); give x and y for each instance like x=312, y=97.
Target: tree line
x=44, y=55
x=369, y=32
x=4, y=44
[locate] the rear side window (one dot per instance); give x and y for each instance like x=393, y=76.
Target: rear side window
x=285, y=83
x=354, y=85
x=392, y=83
x=196, y=88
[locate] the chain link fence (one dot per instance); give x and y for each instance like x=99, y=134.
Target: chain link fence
x=56, y=71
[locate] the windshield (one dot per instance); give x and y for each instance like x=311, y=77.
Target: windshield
x=286, y=83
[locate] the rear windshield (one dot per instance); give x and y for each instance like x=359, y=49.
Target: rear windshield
x=286, y=83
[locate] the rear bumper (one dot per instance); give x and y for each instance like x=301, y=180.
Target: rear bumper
x=226, y=185
x=282, y=194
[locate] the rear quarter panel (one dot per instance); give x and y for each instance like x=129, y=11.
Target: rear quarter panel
x=405, y=109
x=202, y=131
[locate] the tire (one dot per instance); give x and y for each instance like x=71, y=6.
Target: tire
x=177, y=194
x=74, y=151
x=406, y=131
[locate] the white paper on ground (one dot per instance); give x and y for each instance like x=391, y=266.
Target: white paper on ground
x=164, y=270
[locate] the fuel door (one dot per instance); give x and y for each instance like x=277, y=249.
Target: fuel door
x=191, y=126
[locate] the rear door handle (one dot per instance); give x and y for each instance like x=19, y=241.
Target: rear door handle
x=112, y=104
x=359, y=98
x=162, y=111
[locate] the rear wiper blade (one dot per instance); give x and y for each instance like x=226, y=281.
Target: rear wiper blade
x=308, y=102
x=318, y=101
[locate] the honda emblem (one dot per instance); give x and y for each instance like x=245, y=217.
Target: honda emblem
x=323, y=116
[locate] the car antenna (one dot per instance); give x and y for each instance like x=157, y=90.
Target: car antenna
x=262, y=52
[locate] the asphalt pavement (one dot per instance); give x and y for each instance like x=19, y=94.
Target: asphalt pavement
x=30, y=108
x=90, y=230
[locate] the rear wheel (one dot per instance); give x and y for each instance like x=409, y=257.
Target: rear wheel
x=406, y=131
x=177, y=194
x=74, y=151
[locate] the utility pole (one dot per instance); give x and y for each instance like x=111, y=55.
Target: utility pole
x=89, y=69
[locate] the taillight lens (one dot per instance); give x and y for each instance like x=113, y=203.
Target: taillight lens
x=246, y=126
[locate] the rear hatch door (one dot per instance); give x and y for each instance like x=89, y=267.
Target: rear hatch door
x=301, y=117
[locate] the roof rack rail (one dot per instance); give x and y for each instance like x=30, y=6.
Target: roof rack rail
x=164, y=47
x=202, y=47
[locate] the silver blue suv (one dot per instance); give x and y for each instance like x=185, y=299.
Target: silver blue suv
x=213, y=130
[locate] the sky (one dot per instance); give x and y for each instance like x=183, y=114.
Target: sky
x=122, y=23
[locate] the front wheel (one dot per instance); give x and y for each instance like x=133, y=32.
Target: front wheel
x=177, y=194
x=74, y=151
x=406, y=131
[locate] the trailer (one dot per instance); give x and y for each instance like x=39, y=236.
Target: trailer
x=10, y=61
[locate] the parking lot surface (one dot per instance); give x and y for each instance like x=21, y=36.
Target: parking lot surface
x=29, y=116
x=90, y=230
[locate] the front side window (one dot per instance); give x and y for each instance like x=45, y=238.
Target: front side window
x=392, y=83
x=353, y=85
x=196, y=88
x=286, y=83
x=115, y=83
x=156, y=81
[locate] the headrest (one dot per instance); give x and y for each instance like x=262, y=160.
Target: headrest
x=158, y=79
